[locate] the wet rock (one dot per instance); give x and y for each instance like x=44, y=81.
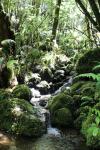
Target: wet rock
x=43, y=87
x=37, y=69
x=33, y=78
x=44, y=100
x=35, y=93
x=46, y=74
x=59, y=75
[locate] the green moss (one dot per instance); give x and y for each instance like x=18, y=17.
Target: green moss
x=5, y=94
x=75, y=88
x=22, y=92
x=62, y=117
x=6, y=75
x=60, y=101
x=86, y=62
x=19, y=117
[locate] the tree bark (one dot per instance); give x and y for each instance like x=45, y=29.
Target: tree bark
x=95, y=23
x=99, y=3
x=56, y=19
x=5, y=26
x=95, y=11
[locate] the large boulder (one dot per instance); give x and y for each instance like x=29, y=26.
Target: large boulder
x=43, y=87
x=22, y=92
x=19, y=117
x=88, y=60
x=59, y=101
x=5, y=94
x=62, y=117
x=60, y=107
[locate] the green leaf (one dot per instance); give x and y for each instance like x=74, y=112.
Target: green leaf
x=97, y=120
x=95, y=131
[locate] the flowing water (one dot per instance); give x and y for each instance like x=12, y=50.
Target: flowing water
x=54, y=139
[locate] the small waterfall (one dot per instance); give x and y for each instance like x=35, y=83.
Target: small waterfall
x=64, y=87
x=51, y=130
x=43, y=112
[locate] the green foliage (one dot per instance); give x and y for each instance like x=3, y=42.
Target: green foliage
x=92, y=76
x=22, y=92
x=91, y=128
x=87, y=61
x=87, y=101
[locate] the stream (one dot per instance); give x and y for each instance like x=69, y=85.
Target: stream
x=54, y=139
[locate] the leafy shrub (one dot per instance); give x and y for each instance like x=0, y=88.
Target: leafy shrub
x=91, y=127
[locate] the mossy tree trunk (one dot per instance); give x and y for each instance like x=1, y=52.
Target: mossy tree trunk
x=95, y=9
x=5, y=26
x=56, y=19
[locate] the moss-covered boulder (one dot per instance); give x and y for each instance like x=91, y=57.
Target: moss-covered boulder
x=5, y=77
x=61, y=108
x=75, y=87
x=59, y=101
x=87, y=61
x=18, y=116
x=5, y=94
x=22, y=92
x=91, y=127
x=62, y=118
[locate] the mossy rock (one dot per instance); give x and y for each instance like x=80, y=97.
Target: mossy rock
x=60, y=101
x=87, y=101
x=22, y=92
x=18, y=116
x=6, y=75
x=87, y=61
x=62, y=118
x=75, y=88
x=8, y=45
x=91, y=129
x=5, y=94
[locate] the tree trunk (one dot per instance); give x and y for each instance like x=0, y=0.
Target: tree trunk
x=95, y=23
x=5, y=26
x=95, y=11
x=99, y=3
x=56, y=19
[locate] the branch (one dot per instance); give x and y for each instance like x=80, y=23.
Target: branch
x=95, y=10
x=99, y=3
x=87, y=14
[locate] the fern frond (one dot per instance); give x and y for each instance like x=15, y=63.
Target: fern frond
x=89, y=75
x=96, y=67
